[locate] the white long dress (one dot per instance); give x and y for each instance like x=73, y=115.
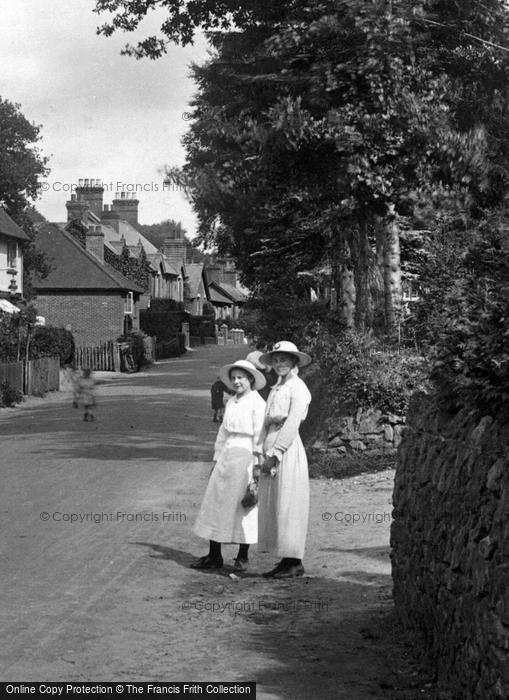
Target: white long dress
x=222, y=517
x=284, y=499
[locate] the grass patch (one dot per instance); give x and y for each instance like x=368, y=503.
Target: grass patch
x=329, y=465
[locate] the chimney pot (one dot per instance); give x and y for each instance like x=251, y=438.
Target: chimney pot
x=106, y=207
x=122, y=195
x=86, y=182
x=98, y=183
x=73, y=198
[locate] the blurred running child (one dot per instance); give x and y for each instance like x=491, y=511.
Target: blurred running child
x=87, y=394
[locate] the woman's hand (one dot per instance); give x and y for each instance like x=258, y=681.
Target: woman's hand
x=270, y=465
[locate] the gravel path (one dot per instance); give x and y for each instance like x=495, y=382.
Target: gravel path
x=111, y=597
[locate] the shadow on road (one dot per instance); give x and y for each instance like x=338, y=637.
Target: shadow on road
x=311, y=637
x=176, y=555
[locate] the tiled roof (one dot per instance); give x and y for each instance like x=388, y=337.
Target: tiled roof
x=8, y=227
x=73, y=267
x=133, y=237
x=170, y=267
x=157, y=259
x=115, y=246
x=232, y=292
x=215, y=296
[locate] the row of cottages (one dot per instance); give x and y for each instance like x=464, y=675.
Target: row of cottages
x=123, y=241
x=82, y=292
x=223, y=289
x=12, y=238
x=170, y=275
x=104, y=271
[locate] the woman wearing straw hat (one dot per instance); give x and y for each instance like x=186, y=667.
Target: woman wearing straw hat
x=222, y=517
x=284, y=482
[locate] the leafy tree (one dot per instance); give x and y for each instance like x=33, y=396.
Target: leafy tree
x=21, y=163
x=21, y=166
x=184, y=18
x=471, y=347
x=318, y=126
x=294, y=154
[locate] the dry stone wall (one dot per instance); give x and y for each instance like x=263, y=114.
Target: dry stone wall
x=450, y=545
x=369, y=429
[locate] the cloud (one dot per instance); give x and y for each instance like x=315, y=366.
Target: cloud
x=103, y=115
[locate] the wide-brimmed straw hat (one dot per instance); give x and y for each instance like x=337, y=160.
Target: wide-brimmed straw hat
x=291, y=349
x=247, y=366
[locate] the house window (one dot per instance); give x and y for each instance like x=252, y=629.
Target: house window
x=128, y=304
x=12, y=254
x=410, y=291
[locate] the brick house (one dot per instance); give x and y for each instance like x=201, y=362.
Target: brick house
x=223, y=290
x=11, y=257
x=119, y=222
x=196, y=288
x=83, y=293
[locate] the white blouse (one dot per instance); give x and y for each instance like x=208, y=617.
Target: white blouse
x=242, y=416
x=288, y=404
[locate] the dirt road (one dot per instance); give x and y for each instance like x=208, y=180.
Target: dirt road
x=96, y=541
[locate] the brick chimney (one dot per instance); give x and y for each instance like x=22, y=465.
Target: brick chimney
x=76, y=209
x=126, y=204
x=94, y=242
x=91, y=192
x=229, y=277
x=213, y=274
x=174, y=248
x=228, y=273
x=110, y=217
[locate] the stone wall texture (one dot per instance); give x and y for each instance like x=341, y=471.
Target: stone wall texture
x=450, y=545
x=368, y=430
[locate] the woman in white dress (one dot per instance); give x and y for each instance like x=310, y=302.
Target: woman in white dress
x=222, y=517
x=284, y=482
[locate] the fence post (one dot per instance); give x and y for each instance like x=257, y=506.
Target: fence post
x=116, y=357
x=26, y=377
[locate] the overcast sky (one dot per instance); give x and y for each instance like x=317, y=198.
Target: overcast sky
x=103, y=115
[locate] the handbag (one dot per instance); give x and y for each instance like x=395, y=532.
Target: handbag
x=250, y=498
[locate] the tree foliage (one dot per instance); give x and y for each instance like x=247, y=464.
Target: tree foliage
x=310, y=130
x=21, y=163
x=471, y=347
x=321, y=127
x=21, y=167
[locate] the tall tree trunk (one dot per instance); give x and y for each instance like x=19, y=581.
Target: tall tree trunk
x=346, y=283
x=392, y=273
x=376, y=279
x=362, y=256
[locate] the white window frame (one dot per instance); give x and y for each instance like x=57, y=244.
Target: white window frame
x=12, y=254
x=129, y=304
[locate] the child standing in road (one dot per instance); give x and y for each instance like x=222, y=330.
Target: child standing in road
x=87, y=394
x=217, y=399
x=73, y=379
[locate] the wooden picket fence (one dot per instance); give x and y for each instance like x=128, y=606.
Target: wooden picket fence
x=42, y=375
x=35, y=377
x=102, y=358
x=12, y=373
